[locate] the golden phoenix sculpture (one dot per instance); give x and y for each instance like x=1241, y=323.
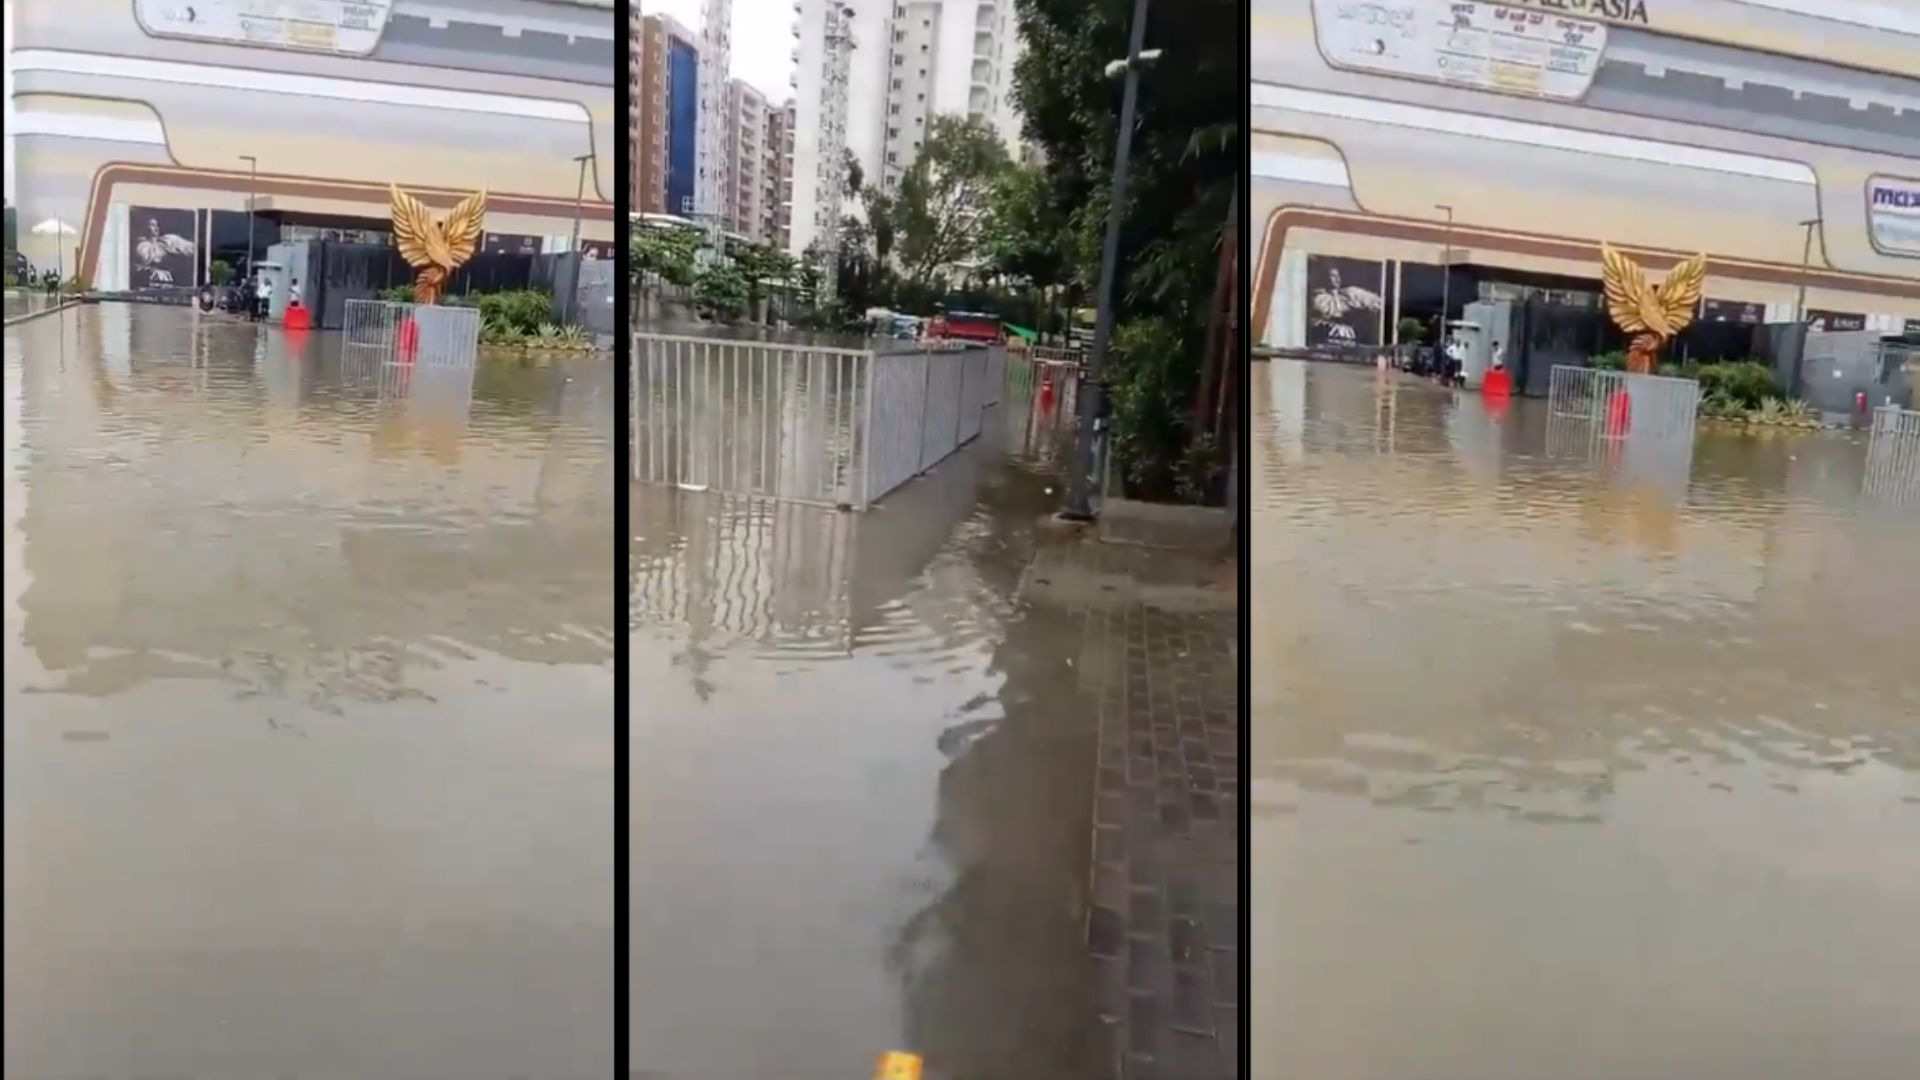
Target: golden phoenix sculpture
x=1653, y=315
x=435, y=249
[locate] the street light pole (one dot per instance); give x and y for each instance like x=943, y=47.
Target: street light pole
x=253, y=183
x=1079, y=506
x=573, y=246
x=1800, y=306
x=1446, y=277
x=1806, y=266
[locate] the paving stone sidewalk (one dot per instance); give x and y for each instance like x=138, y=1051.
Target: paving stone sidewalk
x=1160, y=651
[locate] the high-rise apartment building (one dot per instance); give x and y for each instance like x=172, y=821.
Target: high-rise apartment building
x=945, y=57
x=713, y=158
x=743, y=179
x=904, y=62
x=663, y=95
x=646, y=113
x=777, y=176
x=826, y=80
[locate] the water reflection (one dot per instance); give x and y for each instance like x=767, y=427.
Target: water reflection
x=274, y=628
x=1696, y=663
x=862, y=784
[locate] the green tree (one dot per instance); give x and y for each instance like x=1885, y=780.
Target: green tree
x=759, y=264
x=1024, y=234
x=666, y=254
x=856, y=177
x=940, y=212
x=1180, y=184
x=879, y=207
x=721, y=290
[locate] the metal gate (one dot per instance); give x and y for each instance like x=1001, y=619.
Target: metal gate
x=1893, y=456
x=1622, y=404
x=832, y=426
x=415, y=333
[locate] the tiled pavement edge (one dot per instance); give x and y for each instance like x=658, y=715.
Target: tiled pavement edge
x=1164, y=920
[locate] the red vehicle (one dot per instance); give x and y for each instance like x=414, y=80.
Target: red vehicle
x=966, y=326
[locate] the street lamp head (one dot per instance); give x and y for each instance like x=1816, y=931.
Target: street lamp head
x=1147, y=58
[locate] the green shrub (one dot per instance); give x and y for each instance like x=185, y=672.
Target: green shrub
x=517, y=311
x=1151, y=383
x=1746, y=384
x=1610, y=361
x=721, y=290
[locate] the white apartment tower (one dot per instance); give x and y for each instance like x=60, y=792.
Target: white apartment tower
x=906, y=62
x=946, y=57
x=826, y=36
x=711, y=161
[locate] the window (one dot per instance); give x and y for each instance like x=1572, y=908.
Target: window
x=892, y=157
x=898, y=60
x=893, y=133
x=896, y=86
x=894, y=109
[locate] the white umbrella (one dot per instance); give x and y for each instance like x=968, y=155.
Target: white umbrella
x=58, y=228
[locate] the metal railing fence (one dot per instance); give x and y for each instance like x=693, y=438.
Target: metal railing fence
x=416, y=333
x=1622, y=404
x=831, y=426
x=1893, y=456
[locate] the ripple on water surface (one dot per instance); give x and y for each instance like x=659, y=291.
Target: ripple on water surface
x=309, y=664
x=822, y=762
x=1472, y=623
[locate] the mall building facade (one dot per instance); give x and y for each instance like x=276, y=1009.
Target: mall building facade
x=1438, y=151
x=151, y=127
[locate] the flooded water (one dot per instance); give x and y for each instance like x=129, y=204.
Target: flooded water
x=1571, y=753
x=23, y=302
x=309, y=682
x=862, y=777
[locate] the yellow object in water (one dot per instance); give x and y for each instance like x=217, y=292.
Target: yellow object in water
x=897, y=1065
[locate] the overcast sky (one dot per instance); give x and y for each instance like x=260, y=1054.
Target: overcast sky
x=762, y=39
x=7, y=54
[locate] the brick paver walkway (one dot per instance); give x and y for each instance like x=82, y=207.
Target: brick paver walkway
x=1160, y=652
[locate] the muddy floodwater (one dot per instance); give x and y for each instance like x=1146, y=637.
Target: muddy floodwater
x=1574, y=760
x=309, y=689
x=862, y=777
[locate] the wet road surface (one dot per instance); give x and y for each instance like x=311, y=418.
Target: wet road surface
x=1590, y=765
x=862, y=774
x=308, y=685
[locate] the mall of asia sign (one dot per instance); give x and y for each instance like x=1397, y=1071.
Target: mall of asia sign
x=435, y=249
x=1893, y=215
x=1485, y=46
x=1652, y=314
x=1622, y=11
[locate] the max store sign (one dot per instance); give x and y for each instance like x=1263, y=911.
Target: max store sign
x=1893, y=215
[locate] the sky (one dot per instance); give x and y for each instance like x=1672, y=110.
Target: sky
x=762, y=39
x=7, y=52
